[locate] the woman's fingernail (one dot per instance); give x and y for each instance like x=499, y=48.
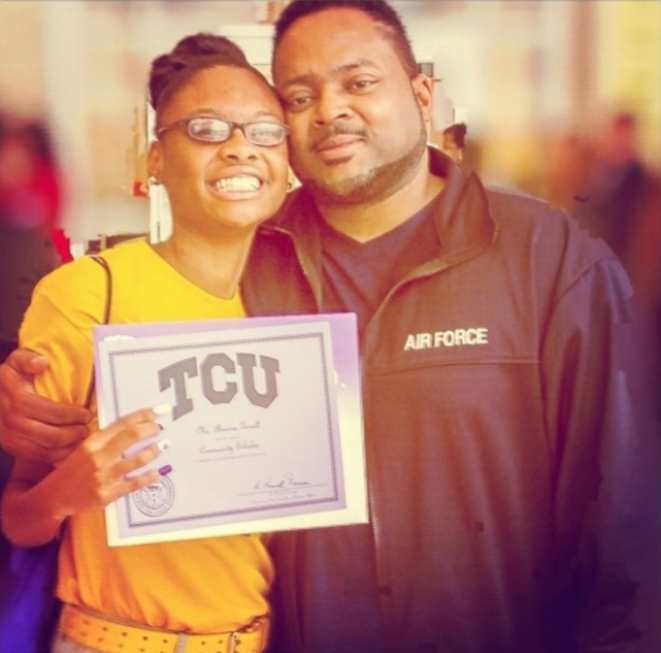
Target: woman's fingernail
x=165, y=470
x=163, y=445
x=162, y=409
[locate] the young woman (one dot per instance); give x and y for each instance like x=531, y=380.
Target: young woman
x=221, y=155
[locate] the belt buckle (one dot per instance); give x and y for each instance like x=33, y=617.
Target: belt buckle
x=256, y=627
x=182, y=642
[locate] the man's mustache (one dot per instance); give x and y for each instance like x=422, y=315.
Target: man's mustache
x=337, y=129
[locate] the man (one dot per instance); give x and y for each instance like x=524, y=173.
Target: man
x=497, y=421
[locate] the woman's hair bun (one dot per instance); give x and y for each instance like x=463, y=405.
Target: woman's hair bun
x=189, y=55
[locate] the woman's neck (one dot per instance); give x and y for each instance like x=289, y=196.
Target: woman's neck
x=215, y=266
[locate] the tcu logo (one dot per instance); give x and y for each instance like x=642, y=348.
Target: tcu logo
x=178, y=373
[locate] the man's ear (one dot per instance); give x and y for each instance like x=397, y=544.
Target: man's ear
x=423, y=92
x=155, y=162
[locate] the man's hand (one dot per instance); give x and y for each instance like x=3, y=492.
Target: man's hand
x=31, y=426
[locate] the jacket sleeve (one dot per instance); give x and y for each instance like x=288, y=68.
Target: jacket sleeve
x=602, y=471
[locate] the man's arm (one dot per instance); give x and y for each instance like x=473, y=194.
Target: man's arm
x=32, y=426
x=601, y=475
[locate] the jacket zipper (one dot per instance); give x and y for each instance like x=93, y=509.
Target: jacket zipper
x=375, y=527
x=416, y=275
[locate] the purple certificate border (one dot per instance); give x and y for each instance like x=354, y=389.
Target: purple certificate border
x=344, y=347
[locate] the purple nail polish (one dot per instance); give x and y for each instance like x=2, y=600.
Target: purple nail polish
x=165, y=470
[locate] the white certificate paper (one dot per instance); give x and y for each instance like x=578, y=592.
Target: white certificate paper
x=266, y=430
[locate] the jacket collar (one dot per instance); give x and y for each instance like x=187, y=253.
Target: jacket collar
x=461, y=211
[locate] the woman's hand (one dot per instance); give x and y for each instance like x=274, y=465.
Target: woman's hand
x=99, y=470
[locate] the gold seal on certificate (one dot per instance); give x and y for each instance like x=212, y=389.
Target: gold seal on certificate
x=265, y=432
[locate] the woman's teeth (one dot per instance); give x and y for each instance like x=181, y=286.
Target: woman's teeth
x=237, y=184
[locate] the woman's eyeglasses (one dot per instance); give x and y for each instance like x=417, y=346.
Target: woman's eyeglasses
x=217, y=130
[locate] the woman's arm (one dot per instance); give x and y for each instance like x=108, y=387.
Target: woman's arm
x=38, y=498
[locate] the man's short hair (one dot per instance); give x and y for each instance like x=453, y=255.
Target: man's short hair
x=380, y=12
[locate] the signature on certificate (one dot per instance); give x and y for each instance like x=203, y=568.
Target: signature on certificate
x=287, y=480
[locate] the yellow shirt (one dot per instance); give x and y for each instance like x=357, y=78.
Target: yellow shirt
x=205, y=585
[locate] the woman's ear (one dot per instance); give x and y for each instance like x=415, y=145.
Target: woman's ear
x=155, y=163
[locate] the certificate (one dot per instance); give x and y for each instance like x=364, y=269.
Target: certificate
x=265, y=432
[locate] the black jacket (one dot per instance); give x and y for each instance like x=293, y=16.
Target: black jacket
x=501, y=448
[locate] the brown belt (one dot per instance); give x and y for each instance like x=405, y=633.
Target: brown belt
x=109, y=636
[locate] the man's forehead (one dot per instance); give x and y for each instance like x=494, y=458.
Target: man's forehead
x=332, y=13
x=332, y=49
x=311, y=75
x=334, y=25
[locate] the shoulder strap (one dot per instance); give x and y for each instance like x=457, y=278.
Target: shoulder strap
x=106, y=316
x=104, y=264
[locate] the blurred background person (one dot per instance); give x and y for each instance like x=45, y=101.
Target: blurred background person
x=617, y=186
x=454, y=142
x=622, y=205
x=29, y=210
x=30, y=205
x=568, y=164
